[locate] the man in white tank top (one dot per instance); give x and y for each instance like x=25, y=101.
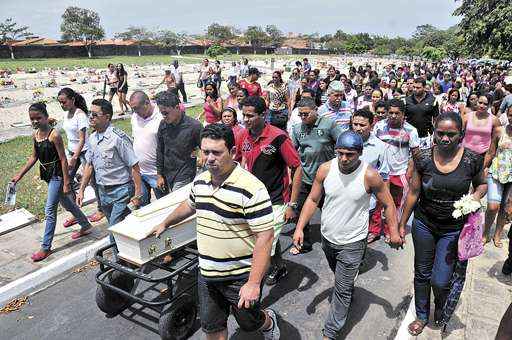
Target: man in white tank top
x=348, y=184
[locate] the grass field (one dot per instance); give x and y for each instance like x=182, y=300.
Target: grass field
x=31, y=190
x=101, y=62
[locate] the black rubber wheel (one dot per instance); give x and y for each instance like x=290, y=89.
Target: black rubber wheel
x=110, y=302
x=178, y=319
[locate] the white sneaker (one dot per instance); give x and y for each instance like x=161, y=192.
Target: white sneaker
x=274, y=333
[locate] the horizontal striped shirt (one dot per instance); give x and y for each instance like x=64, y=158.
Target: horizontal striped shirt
x=227, y=219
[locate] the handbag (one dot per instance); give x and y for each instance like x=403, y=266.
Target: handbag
x=199, y=83
x=470, y=238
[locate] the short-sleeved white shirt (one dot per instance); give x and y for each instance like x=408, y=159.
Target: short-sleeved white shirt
x=144, y=133
x=399, y=142
x=72, y=127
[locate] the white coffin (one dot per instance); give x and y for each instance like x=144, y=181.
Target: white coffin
x=130, y=234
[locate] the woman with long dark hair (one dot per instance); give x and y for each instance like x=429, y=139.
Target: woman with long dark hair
x=212, y=107
x=122, y=88
x=442, y=174
x=277, y=100
x=76, y=123
x=48, y=149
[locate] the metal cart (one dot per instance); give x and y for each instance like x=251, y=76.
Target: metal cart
x=118, y=283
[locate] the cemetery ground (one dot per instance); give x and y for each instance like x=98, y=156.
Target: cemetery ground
x=101, y=62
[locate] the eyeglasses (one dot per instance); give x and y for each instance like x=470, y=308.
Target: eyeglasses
x=96, y=115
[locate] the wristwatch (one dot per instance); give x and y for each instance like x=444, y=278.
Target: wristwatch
x=293, y=205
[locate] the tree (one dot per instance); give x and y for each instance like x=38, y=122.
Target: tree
x=434, y=53
x=216, y=50
x=256, y=36
x=10, y=31
x=275, y=36
x=169, y=38
x=219, y=33
x=83, y=25
x=486, y=27
x=139, y=34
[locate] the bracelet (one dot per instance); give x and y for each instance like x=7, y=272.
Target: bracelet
x=138, y=197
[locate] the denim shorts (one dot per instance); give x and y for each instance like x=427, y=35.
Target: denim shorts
x=217, y=298
x=495, y=189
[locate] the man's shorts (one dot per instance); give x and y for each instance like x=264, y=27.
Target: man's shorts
x=113, y=91
x=215, y=301
x=279, y=211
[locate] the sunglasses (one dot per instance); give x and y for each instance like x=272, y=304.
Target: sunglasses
x=483, y=103
x=304, y=114
x=96, y=115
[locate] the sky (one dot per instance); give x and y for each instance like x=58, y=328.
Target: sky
x=383, y=17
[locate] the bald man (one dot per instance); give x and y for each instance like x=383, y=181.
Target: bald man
x=145, y=123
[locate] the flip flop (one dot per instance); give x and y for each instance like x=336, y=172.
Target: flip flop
x=69, y=222
x=416, y=327
x=77, y=234
x=97, y=216
x=40, y=255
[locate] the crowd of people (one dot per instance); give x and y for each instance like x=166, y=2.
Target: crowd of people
x=368, y=147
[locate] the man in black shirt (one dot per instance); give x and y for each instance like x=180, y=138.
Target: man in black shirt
x=420, y=111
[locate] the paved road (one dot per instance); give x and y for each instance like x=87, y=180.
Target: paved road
x=67, y=309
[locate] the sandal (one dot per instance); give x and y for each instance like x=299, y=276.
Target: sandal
x=69, y=222
x=40, y=255
x=96, y=217
x=296, y=251
x=416, y=327
x=81, y=233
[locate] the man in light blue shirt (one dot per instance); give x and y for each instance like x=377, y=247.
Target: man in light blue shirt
x=374, y=153
x=336, y=107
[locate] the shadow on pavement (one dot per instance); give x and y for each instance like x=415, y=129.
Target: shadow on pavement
x=288, y=332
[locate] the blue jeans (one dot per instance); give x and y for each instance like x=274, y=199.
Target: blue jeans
x=148, y=183
x=435, y=256
x=92, y=181
x=114, y=201
x=56, y=195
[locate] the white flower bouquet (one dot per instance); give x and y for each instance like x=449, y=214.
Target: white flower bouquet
x=465, y=206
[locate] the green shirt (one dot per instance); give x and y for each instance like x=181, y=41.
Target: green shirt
x=315, y=145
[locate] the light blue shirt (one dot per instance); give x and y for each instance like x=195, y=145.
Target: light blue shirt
x=112, y=157
x=375, y=154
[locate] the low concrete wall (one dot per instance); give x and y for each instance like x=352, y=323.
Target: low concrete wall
x=64, y=51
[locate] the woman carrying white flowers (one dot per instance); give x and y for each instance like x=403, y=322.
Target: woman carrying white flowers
x=442, y=175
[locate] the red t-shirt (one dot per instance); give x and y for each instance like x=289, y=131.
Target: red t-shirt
x=268, y=157
x=254, y=89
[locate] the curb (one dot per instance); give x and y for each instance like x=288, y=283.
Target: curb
x=40, y=276
x=403, y=332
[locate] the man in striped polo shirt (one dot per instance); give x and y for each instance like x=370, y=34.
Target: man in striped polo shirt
x=235, y=230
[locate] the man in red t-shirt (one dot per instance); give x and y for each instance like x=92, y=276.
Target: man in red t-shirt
x=251, y=83
x=267, y=152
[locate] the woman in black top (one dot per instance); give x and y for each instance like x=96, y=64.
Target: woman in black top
x=122, y=87
x=49, y=151
x=441, y=176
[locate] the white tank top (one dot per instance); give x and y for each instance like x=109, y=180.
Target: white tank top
x=345, y=212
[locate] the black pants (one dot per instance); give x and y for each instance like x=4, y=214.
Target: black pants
x=181, y=88
x=305, y=189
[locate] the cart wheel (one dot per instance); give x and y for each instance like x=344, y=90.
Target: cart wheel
x=110, y=302
x=178, y=318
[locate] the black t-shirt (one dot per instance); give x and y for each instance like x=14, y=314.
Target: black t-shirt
x=439, y=190
x=420, y=114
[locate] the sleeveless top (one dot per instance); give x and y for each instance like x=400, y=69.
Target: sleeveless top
x=501, y=166
x=49, y=161
x=345, y=213
x=477, y=138
x=209, y=115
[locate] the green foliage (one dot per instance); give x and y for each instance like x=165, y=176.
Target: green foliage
x=216, y=50
x=434, y=53
x=169, y=38
x=256, y=36
x=9, y=30
x=219, y=33
x=275, y=36
x=140, y=34
x=81, y=24
x=486, y=27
